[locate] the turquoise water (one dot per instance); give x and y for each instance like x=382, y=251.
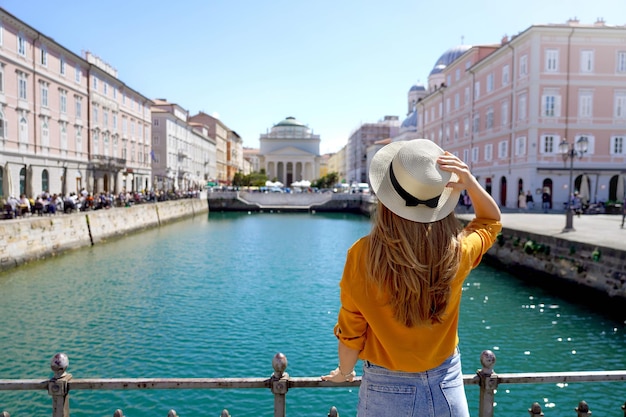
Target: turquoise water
x=218, y=296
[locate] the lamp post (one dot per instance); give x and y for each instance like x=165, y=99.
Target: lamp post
x=571, y=151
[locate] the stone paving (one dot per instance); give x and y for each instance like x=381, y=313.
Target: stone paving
x=596, y=229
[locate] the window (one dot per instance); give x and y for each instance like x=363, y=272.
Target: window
x=21, y=86
x=64, y=136
x=45, y=180
x=3, y=126
x=585, y=104
x=466, y=126
x=476, y=90
x=620, y=105
x=503, y=149
x=448, y=105
x=476, y=126
x=45, y=133
x=466, y=155
x=475, y=154
x=504, y=113
x=23, y=136
x=549, y=144
x=457, y=100
x=489, y=118
x=96, y=145
x=114, y=120
x=505, y=75
x=63, y=101
x=95, y=115
x=44, y=94
x=456, y=130
x=552, y=60
x=621, y=61
x=1, y=38
x=79, y=107
x=79, y=139
x=44, y=57
x=467, y=95
x=549, y=106
x=105, y=88
x=523, y=66
x=521, y=111
x=62, y=66
x=458, y=74
x=95, y=83
x=586, y=61
x=617, y=145
x=520, y=146
x=21, y=45
x=488, y=152
x=1, y=78
x=105, y=119
x=77, y=74
x=490, y=82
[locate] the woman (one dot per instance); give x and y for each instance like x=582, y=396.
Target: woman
x=401, y=286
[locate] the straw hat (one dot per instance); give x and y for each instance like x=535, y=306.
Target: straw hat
x=406, y=178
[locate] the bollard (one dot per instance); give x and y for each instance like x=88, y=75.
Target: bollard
x=225, y=413
x=172, y=413
x=535, y=410
x=583, y=409
x=58, y=386
x=279, y=384
x=333, y=412
x=488, y=383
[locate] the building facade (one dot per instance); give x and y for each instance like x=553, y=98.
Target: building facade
x=184, y=153
x=290, y=152
x=506, y=108
x=362, y=138
x=67, y=122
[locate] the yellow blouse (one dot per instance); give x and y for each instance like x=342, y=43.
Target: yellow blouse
x=367, y=324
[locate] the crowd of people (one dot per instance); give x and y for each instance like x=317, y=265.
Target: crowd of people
x=50, y=204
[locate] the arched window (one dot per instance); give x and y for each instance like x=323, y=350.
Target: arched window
x=45, y=181
x=22, y=181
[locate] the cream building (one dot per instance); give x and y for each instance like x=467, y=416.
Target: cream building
x=290, y=152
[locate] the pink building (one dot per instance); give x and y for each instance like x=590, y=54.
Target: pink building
x=506, y=108
x=66, y=122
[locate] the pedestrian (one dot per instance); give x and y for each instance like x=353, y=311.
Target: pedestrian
x=530, y=202
x=545, y=200
x=623, y=211
x=521, y=200
x=402, y=283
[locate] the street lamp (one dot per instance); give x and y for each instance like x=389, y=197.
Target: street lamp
x=571, y=151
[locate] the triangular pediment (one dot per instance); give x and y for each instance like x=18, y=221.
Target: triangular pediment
x=291, y=151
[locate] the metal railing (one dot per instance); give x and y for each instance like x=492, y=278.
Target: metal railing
x=280, y=383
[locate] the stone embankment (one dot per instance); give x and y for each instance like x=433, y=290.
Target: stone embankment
x=287, y=202
x=39, y=237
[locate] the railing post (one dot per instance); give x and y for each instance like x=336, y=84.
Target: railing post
x=624, y=408
x=5, y=414
x=535, y=410
x=488, y=383
x=279, y=384
x=583, y=409
x=58, y=386
x=225, y=413
x=333, y=412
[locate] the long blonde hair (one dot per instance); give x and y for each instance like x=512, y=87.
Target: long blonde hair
x=413, y=264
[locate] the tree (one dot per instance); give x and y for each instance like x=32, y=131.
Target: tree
x=327, y=181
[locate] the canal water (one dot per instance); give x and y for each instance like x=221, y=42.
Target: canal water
x=219, y=296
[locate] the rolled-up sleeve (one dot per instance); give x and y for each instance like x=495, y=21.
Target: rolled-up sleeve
x=351, y=326
x=480, y=235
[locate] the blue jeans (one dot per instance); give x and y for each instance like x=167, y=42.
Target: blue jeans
x=438, y=392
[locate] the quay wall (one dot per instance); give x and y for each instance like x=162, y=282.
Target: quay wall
x=585, y=269
x=39, y=237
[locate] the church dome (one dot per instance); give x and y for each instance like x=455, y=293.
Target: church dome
x=410, y=123
x=449, y=57
x=417, y=87
x=290, y=121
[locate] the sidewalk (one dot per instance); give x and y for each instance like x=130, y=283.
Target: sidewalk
x=595, y=229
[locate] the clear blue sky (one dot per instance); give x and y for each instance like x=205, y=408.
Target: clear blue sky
x=332, y=64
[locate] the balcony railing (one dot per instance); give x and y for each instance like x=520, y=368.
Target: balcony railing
x=280, y=383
